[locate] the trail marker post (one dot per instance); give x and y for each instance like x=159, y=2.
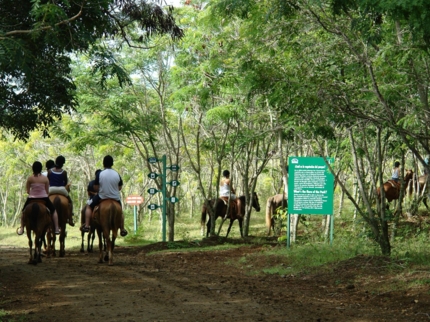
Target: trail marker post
x=134, y=200
x=163, y=190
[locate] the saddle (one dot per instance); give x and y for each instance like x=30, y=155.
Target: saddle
x=394, y=184
x=233, y=204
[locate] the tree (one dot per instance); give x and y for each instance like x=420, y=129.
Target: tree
x=38, y=38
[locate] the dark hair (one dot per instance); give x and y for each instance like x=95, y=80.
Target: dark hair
x=59, y=161
x=107, y=161
x=225, y=173
x=397, y=164
x=49, y=164
x=37, y=167
x=98, y=171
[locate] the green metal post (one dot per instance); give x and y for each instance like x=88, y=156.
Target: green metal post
x=288, y=230
x=135, y=219
x=163, y=176
x=331, y=228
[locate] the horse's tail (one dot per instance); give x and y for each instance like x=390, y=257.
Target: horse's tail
x=269, y=212
x=59, y=207
x=115, y=218
x=35, y=211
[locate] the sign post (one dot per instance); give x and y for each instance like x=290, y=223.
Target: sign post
x=163, y=190
x=310, y=189
x=134, y=200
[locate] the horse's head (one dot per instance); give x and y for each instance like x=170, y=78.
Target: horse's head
x=408, y=176
x=255, y=202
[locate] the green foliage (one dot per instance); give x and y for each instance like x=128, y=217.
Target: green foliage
x=37, y=39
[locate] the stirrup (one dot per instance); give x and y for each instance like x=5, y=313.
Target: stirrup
x=124, y=232
x=18, y=231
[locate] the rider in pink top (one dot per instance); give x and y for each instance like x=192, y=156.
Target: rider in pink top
x=37, y=188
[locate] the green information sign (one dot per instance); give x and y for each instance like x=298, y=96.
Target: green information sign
x=310, y=186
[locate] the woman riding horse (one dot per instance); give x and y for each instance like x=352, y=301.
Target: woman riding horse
x=37, y=187
x=392, y=188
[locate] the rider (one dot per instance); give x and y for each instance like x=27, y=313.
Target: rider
x=37, y=187
x=58, y=182
x=49, y=165
x=395, y=176
x=91, y=190
x=226, y=191
x=108, y=183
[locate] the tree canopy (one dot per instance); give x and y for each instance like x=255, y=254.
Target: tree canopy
x=37, y=39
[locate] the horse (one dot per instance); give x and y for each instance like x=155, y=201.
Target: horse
x=36, y=218
x=61, y=204
x=272, y=205
x=419, y=185
x=107, y=217
x=392, y=188
x=221, y=209
x=91, y=233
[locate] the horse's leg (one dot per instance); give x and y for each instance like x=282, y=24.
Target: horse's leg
x=112, y=246
x=229, y=227
x=99, y=234
x=91, y=237
x=240, y=226
x=63, y=242
x=30, y=244
x=425, y=203
x=39, y=248
x=106, y=234
x=82, y=242
x=208, y=227
x=220, y=226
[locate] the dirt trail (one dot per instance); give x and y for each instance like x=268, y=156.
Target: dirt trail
x=194, y=286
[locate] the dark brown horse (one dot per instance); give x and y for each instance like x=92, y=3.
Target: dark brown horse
x=221, y=209
x=91, y=234
x=392, y=188
x=37, y=219
x=61, y=204
x=107, y=218
x=272, y=205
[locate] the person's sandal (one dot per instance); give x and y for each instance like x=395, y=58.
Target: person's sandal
x=85, y=229
x=20, y=231
x=124, y=232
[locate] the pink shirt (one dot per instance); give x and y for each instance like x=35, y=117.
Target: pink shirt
x=37, y=190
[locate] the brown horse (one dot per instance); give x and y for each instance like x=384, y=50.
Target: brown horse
x=221, y=209
x=107, y=218
x=37, y=219
x=61, y=204
x=272, y=205
x=392, y=188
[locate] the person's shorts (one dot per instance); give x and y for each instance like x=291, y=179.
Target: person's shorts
x=58, y=190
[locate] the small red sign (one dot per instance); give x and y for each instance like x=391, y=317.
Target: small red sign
x=134, y=200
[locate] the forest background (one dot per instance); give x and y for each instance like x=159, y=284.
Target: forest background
x=242, y=86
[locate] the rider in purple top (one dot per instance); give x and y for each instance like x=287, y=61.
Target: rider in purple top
x=58, y=183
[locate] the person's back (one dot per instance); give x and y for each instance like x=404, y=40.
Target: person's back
x=109, y=182
x=58, y=182
x=396, y=172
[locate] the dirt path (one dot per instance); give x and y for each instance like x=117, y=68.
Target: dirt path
x=193, y=286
